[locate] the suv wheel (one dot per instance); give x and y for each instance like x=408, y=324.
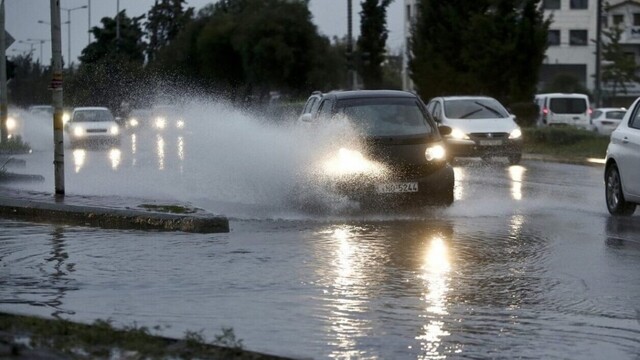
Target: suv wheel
x=616, y=204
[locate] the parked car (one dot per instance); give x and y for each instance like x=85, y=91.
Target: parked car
x=480, y=127
x=404, y=161
x=560, y=109
x=605, y=120
x=622, y=169
x=92, y=124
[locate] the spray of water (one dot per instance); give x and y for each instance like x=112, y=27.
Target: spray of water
x=225, y=160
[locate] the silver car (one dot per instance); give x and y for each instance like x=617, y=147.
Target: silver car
x=622, y=169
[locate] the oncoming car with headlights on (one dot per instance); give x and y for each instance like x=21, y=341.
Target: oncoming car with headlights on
x=167, y=117
x=402, y=159
x=93, y=125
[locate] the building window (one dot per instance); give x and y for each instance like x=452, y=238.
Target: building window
x=578, y=37
x=618, y=19
x=553, y=38
x=408, y=12
x=551, y=4
x=605, y=21
x=579, y=4
x=636, y=19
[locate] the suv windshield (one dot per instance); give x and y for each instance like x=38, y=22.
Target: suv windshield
x=474, y=109
x=386, y=116
x=92, y=115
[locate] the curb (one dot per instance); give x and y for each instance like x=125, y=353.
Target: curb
x=109, y=218
x=561, y=160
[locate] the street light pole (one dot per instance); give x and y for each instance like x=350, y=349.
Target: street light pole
x=117, y=25
x=4, y=131
x=41, y=42
x=89, y=22
x=598, y=74
x=69, y=31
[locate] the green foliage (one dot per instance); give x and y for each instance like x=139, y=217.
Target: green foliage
x=491, y=47
x=15, y=145
x=372, y=41
x=29, y=86
x=166, y=19
x=566, y=83
x=129, y=47
x=565, y=142
x=228, y=339
x=621, y=67
x=526, y=113
x=245, y=48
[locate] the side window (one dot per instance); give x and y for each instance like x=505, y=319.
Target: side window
x=309, y=105
x=325, y=109
x=634, y=120
x=437, y=111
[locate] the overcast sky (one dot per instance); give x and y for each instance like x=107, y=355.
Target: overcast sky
x=22, y=18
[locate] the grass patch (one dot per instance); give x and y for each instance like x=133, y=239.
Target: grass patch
x=102, y=340
x=15, y=145
x=172, y=209
x=565, y=142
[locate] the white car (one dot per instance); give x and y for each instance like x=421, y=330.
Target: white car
x=92, y=124
x=481, y=127
x=560, y=109
x=622, y=169
x=605, y=120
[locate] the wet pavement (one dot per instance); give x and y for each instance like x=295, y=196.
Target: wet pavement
x=526, y=263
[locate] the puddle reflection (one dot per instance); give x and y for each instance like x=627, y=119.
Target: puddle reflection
x=516, y=174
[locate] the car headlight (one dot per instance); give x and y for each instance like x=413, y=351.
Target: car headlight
x=133, y=122
x=161, y=122
x=180, y=124
x=11, y=123
x=435, y=152
x=516, y=134
x=458, y=134
x=65, y=117
x=114, y=130
x=351, y=162
x=78, y=131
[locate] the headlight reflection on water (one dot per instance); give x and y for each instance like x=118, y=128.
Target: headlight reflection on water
x=79, y=157
x=115, y=155
x=435, y=273
x=516, y=172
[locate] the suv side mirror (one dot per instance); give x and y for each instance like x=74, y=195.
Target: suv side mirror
x=305, y=117
x=444, y=130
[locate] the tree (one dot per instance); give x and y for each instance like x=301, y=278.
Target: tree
x=491, y=47
x=165, y=20
x=113, y=67
x=372, y=41
x=29, y=85
x=107, y=46
x=621, y=68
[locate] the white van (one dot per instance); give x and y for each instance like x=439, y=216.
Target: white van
x=564, y=109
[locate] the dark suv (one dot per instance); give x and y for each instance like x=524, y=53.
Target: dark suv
x=402, y=158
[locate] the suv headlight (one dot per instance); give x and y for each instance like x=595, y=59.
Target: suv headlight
x=114, y=130
x=11, y=123
x=515, y=134
x=458, y=134
x=435, y=152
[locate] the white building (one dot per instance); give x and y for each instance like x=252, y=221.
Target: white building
x=571, y=37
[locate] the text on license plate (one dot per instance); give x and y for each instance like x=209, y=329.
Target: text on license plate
x=397, y=187
x=490, y=142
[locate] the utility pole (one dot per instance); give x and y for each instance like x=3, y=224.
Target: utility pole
x=598, y=90
x=351, y=75
x=56, y=88
x=89, y=22
x=117, y=25
x=4, y=132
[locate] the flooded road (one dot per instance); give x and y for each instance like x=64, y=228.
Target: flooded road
x=526, y=263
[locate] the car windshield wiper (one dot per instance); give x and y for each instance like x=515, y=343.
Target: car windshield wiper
x=490, y=109
x=470, y=113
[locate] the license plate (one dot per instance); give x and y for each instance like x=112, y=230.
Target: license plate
x=397, y=187
x=490, y=142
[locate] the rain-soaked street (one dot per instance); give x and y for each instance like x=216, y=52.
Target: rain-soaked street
x=527, y=262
